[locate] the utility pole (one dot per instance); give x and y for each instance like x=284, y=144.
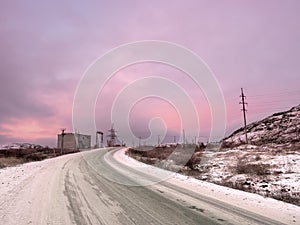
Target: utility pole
x=140, y=141
x=158, y=140
x=244, y=113
x=62, y=140
x=174, y=139
x=183, y=134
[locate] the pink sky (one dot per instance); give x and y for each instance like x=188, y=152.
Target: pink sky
x=46, y=47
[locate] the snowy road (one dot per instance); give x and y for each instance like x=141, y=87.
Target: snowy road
x=88, y=188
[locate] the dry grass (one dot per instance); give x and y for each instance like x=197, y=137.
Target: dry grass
x=188, y=156
x=10, y=161
x=13, y=157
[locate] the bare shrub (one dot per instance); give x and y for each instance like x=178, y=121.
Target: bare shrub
x=248, y=168
x=293, y=198
x=257, y=157
x=162, y=153
x=200, y=148
x=35, y=157
x=194, y=160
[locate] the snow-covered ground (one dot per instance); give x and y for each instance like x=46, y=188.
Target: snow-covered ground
x=281, y=211
x=263, y=170
x=11, y=177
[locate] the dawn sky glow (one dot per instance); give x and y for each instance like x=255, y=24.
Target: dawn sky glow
x=46, y=46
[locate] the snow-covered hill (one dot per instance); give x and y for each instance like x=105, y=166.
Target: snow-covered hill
x=279, y=128
x=20, y=146
x=268, y=165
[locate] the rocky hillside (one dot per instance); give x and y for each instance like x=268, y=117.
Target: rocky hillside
x=268, y=165
x=279, y=128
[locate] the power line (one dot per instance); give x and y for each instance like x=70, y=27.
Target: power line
x=276, y=93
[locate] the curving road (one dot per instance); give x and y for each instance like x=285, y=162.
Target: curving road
x=94, y=188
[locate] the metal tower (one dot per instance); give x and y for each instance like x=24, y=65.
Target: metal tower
x=112, y=137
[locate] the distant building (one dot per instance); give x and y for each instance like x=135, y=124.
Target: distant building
x=74, y=141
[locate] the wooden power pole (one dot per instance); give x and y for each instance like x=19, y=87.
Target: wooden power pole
x=158, y=140
x=244, y=113
x=140, y=141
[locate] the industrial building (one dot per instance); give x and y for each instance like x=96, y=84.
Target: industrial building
x=73, y=141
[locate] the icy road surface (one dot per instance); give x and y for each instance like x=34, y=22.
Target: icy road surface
x=106, y=187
